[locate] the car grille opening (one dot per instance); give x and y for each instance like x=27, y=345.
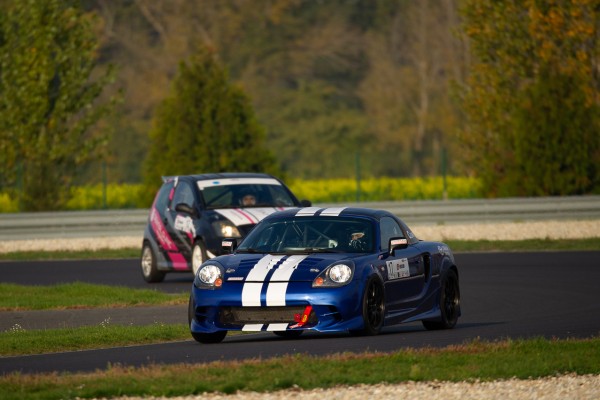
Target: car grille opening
x=260, y=315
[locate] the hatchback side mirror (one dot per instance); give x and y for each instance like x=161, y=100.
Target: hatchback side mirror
x=185, y=208
x=398, y=243
x=229, y=245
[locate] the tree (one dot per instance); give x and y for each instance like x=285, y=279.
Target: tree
x=205, y=125
x=47, y=98
x=532, y=99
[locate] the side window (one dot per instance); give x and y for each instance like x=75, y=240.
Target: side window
x=162, y=198
x=183, y=194
x=389, y=228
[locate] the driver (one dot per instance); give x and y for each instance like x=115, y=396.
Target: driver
x=248, y=200
x=357, y=241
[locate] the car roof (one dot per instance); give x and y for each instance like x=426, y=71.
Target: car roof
x=332, y=212
x=219, y=175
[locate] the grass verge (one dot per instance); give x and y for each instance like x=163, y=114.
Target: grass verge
x=81, y=295
x=476, y=360
x=18, y=341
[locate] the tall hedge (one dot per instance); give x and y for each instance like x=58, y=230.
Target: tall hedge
x=206, y=124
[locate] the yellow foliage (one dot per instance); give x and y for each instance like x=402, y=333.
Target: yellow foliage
x=120, y=196
x=8, y=205
x=385, y=189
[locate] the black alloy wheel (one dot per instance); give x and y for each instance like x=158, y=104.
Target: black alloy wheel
x=373, y=308
x=449, y=303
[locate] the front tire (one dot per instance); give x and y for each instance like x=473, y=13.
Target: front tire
x=373, y=308
x=449, y=303
x=198, y=256
x=288, y=334
x=150, y=272
x=206, y=338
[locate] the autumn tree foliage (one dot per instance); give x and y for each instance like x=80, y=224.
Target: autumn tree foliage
x=48, y=98
x=206, y=124
x=532, y=99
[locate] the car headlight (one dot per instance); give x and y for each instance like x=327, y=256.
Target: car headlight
x=209, y=276
x=335, y=275
x=226, y=229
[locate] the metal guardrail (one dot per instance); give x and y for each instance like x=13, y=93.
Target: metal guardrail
x=71, y=224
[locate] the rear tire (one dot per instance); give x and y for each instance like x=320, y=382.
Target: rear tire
x=150, y=272
x=373, y=308
x=206, y=338
x=449, y=303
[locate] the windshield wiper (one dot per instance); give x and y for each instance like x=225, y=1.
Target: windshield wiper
x=249, y=250
x=321, y=250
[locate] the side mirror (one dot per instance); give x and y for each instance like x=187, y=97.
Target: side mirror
x=229, y=245
x=184, y=208
x=305, y=203
x=398, y=243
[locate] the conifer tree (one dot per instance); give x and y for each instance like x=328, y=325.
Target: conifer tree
x=207, y=124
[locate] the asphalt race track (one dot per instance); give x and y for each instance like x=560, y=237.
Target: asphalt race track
x=504, y=295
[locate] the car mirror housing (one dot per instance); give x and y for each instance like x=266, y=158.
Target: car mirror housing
x=229, y=245
x=185, y=208
x=305, y=203
x=398, y=243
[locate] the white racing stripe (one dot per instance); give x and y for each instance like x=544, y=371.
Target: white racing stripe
x=252, y=327
x=280, y=280
x=255, y=280
x=325, y=212
x=307, y=211
x=277, y=327
x=333, y=211
x=236, y=181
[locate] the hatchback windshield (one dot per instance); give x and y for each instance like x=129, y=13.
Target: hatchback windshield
x=235, y=193
x=310, y=234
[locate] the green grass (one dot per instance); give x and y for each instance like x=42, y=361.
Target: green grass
x=456, y=245
x=17, y=341
x=71, y=255
x=476, y=360
x=81, y=295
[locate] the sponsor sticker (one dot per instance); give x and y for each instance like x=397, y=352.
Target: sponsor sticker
x=398, y=269
x=185, y=224
x=398, y=242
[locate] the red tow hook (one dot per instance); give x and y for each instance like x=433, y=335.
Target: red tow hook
x=301, y=320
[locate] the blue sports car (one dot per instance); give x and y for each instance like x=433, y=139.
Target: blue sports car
x=327, y=270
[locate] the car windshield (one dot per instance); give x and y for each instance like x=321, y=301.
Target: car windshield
x=237, y=193
x=310, y=235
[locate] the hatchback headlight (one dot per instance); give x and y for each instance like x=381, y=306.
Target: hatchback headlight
x=335, y=275
x=209, y=276
x=226, y=229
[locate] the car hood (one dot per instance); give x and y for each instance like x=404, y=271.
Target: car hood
x=249, y=215
x=276, y=267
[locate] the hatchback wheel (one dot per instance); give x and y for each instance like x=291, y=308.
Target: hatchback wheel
x=198, y=256
x=148, y=263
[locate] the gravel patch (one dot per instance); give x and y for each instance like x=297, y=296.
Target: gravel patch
x=570, y=229
x=565, y=387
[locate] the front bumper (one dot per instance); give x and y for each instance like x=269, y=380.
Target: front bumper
x=329, y=309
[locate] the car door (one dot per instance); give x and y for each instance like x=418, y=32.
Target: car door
x=404, y=270
x=180, y=224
